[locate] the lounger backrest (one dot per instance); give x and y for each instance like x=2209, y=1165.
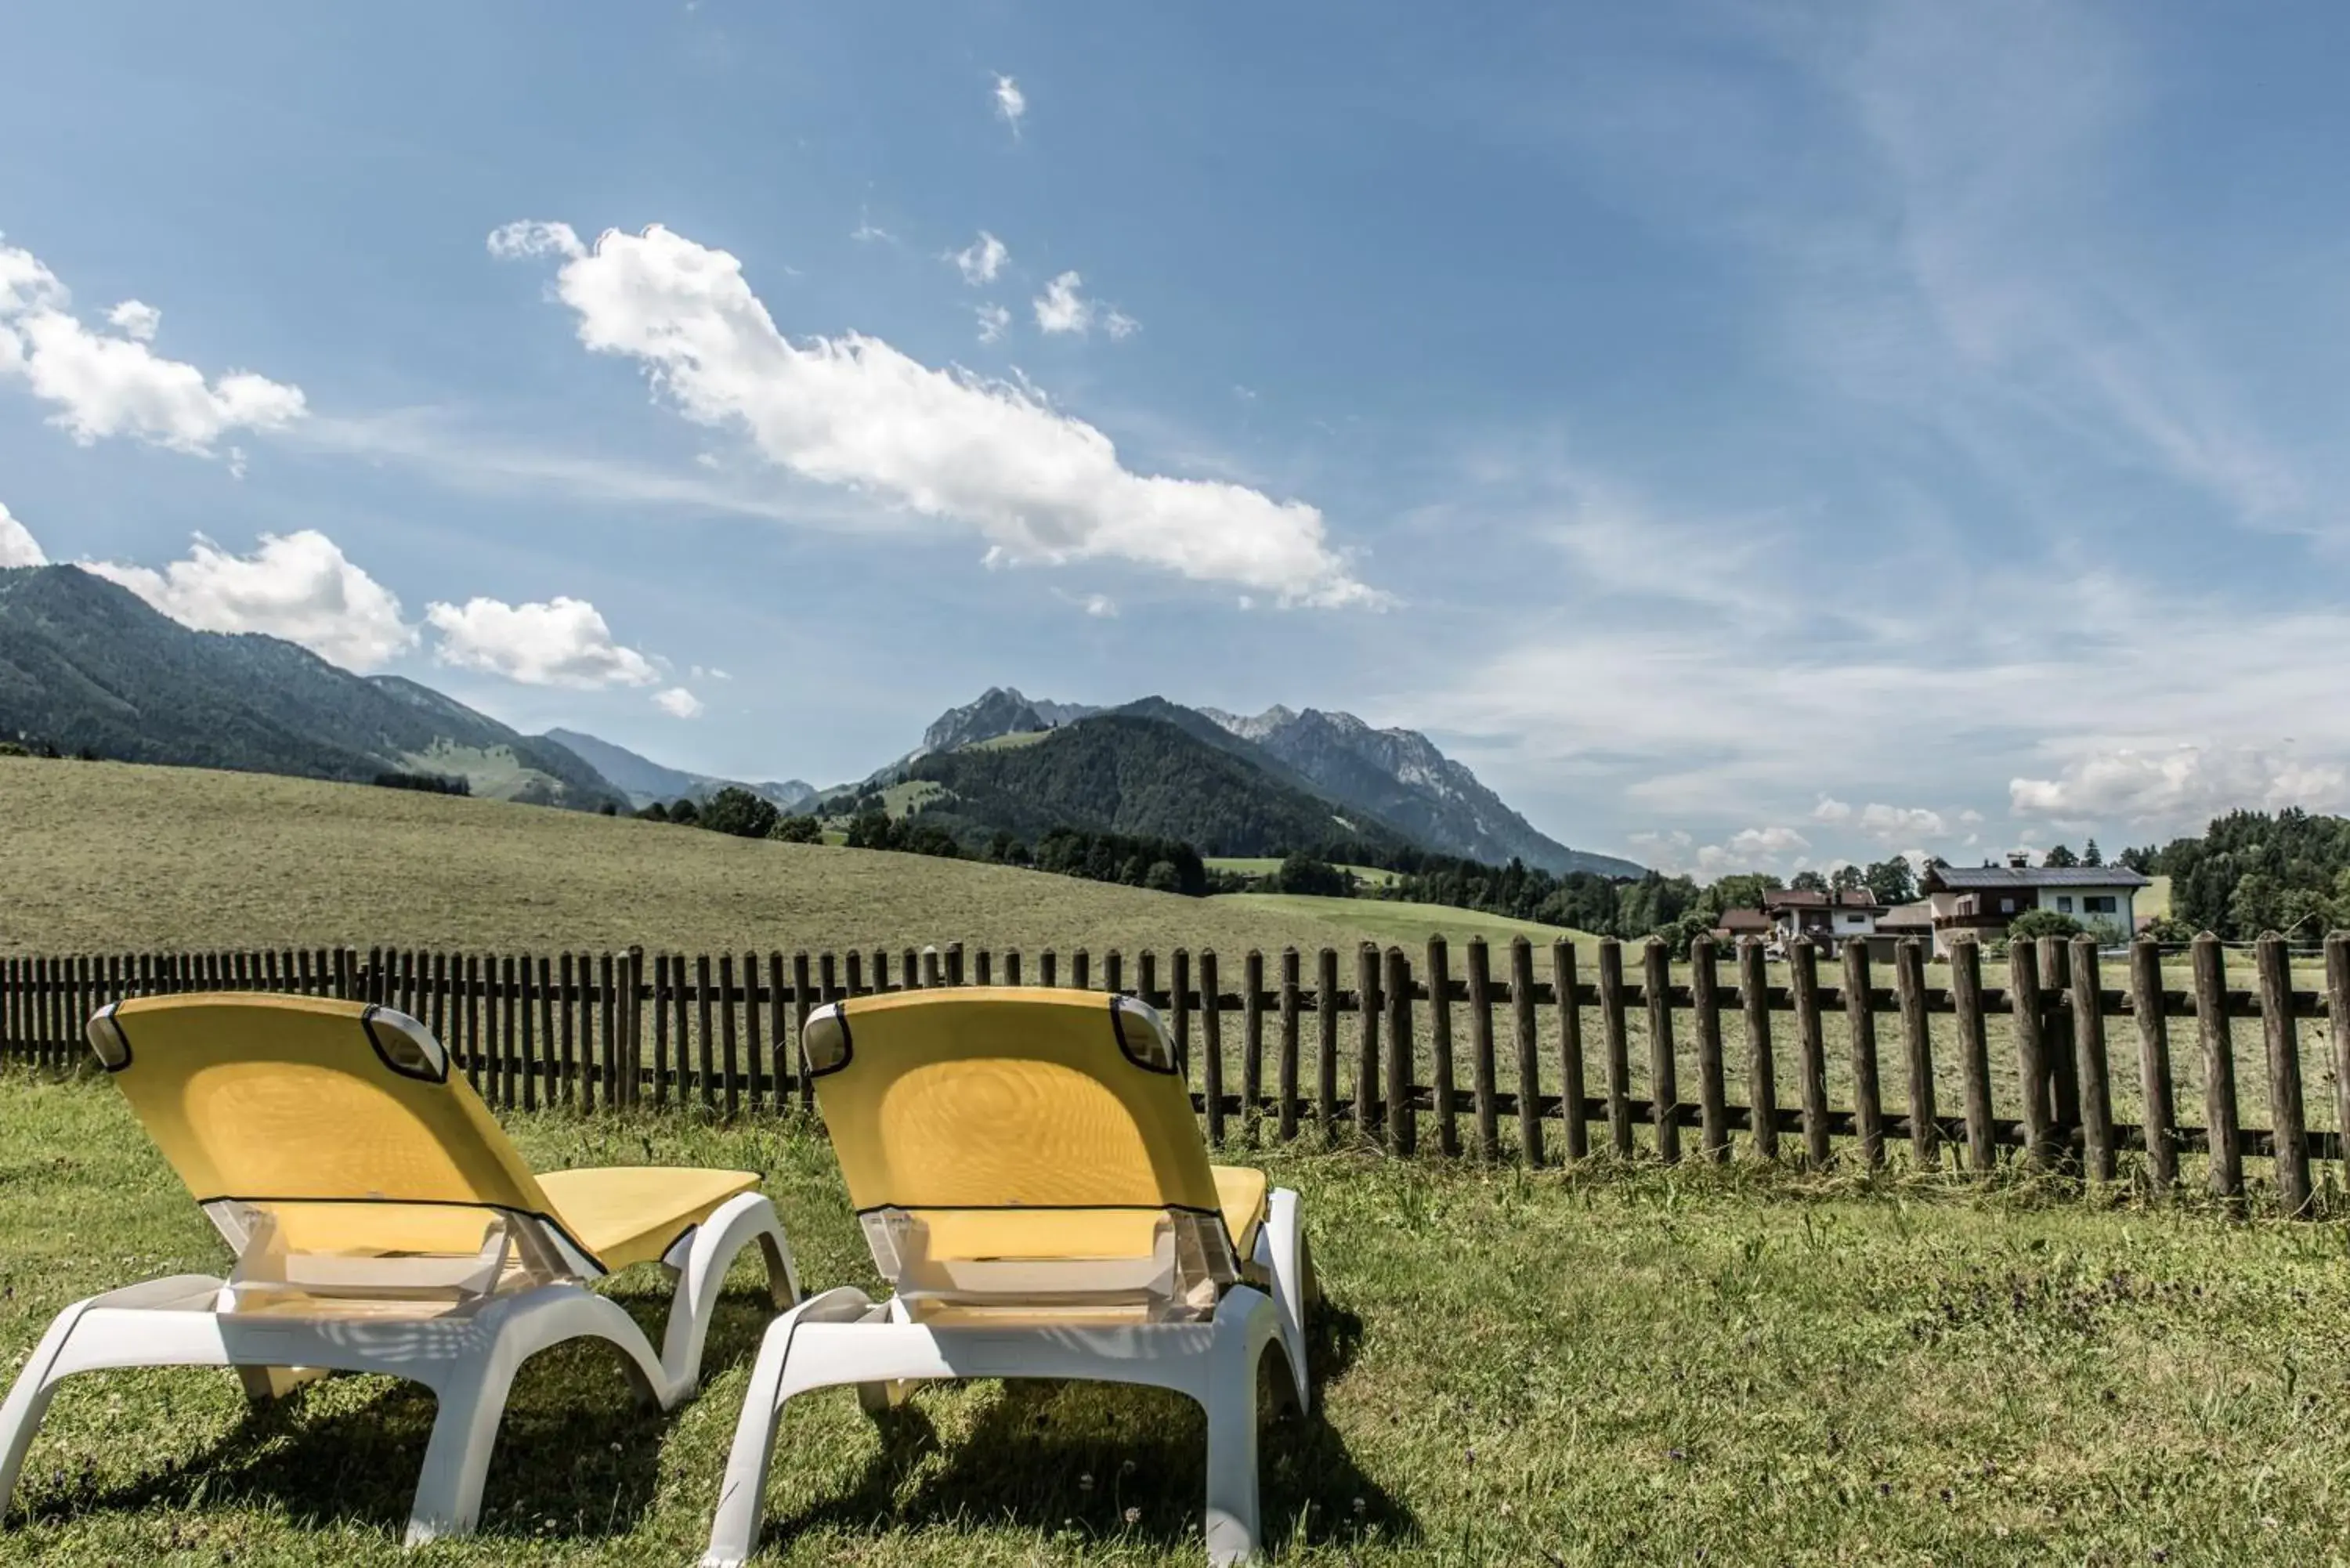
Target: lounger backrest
x=1016, y=1125
x=340, y=1120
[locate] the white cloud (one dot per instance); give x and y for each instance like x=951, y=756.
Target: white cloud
x=1831, y=811
x=980, y=261
x=299, y=587
x=1011, y=103
x=1038, y=484
x=1061, y=308
x=1101, y=607
x=678, y=704
x=1887, y=822
x=2185, y=783
x=564, y=642
x=1120, y=326
x=709, y=673
x=109, y=385
x=134, y=319
x=1768, y=841
x=17, y=545
x=994, y=321
x=528, y=238
x=1677, y=853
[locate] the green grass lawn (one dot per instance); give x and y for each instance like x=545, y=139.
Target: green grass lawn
x=1604, y=1367
x=1409, y=925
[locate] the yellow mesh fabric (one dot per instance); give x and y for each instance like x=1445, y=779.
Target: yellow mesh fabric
x=1008, y=1120
x=283, y=1099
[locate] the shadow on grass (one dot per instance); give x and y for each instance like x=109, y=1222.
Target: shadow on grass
x=577, y=1453
x=1112, y=1462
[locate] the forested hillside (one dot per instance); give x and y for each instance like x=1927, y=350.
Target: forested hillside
x=2252, y=872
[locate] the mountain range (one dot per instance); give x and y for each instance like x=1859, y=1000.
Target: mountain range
x=88, y=664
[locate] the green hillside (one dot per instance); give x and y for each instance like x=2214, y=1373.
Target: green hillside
x=87, y=664
x=110, y=857
x=1145, y=778
x=1395, y=922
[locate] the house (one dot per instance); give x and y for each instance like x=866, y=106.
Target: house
x=1739, y=924
x=1830, y=919
x=1983, y=899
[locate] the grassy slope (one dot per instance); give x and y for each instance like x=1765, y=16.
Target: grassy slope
x=1383, y=920
x=1266, y=865
x=1744, y=1367
x=101, y=855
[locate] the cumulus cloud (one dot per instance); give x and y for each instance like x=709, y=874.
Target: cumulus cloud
x=1011, y=103
x=528, y=238
x=299, y=587
x=134, y=319
x=1679, y=853
x=17, y=545
x=1831, y=811
x=113, y=383
x=1887, y=822
x=994, y=321
x=2185, y=782
x=981, y=260
x=564, y=642
x=1062, y=309
x=997, y=457
x=678, y=704
x=1768, y=841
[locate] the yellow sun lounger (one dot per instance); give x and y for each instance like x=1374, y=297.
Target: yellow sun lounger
x=381, y=1222
x=1034, y=1186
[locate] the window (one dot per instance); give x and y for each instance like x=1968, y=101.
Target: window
x=2007, y=906
x=2063, y=903
x=2099, y=904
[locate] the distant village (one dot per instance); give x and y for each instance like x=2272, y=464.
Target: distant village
x=1959, y=903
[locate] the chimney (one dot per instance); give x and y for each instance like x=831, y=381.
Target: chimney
x=2019, y=860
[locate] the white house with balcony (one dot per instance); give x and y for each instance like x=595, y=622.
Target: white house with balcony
x=1983, y=899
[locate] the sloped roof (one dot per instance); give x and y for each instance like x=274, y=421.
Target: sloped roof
x=1958, y=878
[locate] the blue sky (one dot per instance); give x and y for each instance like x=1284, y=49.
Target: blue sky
x=1746, y=435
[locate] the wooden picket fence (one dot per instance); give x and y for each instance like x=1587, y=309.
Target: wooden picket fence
x=623, y=1031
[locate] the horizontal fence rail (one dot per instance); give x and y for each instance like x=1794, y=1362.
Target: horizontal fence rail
x=1516, y=1056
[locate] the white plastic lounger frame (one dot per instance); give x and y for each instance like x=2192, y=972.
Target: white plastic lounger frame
x=462, y=1326
x=1032, y=1109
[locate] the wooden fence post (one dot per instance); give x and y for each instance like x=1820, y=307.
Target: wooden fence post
x=1285, y=1071
x=1182, y=997
x=706, y=1046
x=608, y=1017
x=754, y=1052
x=1081, y=970
x=1761, y=1068
x=954, y=964
x=2057, y=1048
x=1252, y=1038
x=2154, y=1064
x=1481, y=1050
x=1860, y=1024
x=1916, y=1050
x=1974, y=1052
x=2026, y=1009
x=2219, y=1067
x=1523, y=1013
x=1211, y=1048
x=2089, y=1061
x=1664, y=1086
x=1810, y=1048
x=1325, y=1065
x=1403, y=1123
x=2337, y=1015
x=1712, y=1091
x=1618, y=1045
x=1366, y=1040
x=2289, y=1127
x=1440, y=1024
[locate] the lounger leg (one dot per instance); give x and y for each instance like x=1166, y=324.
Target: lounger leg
x=745, y=1218
x=743, y=1497
x=471, y=1397
x=1243, y=1331
x=28, y=1401
x=264, y=1384
x=1281, y=1245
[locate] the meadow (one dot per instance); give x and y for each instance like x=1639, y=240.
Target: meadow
x=1612, y=1365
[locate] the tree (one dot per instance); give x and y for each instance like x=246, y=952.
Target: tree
x=1304, y=872
x=798, y=830
x=737, y=811
x=870, y=830
x=1891, y=881
x=656, y=812
x=684, y=811
x=1809, y=882
x=2035, y=923
x=2092, y=855
x=1848, y=878
x=2060, y=857
x=1163, y=878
